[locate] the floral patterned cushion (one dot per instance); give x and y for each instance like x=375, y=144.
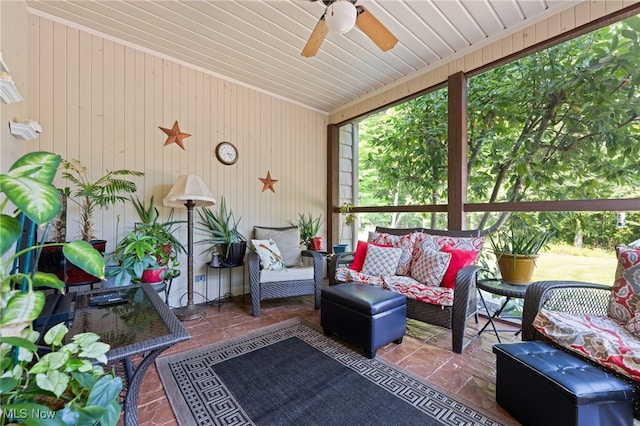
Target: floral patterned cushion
x=404, y=285
x=345, y=275
x=633, y=325
x=270, y=256
x=405, y=242
x=625, y=297
x=418, y=291
x=601, y=339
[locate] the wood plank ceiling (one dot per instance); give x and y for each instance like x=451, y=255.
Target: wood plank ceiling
x=258, y=43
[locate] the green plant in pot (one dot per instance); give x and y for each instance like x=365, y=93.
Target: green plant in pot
x=221, y=228
x=142, y=256
x=148, y=252
x=64, y=386
x=309, y=228
x=105, y=192
x=516, y=246
x=163, y=232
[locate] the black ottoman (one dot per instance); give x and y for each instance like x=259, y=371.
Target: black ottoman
x=366, y=316
x=541, y=385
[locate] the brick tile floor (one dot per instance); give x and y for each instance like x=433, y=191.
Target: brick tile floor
x=425, y=351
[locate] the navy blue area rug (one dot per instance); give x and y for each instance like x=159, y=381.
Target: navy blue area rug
x=291, y=374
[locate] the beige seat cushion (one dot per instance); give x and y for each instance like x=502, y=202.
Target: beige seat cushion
x=288, y=274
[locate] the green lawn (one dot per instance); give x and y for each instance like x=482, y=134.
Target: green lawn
x=562, y=263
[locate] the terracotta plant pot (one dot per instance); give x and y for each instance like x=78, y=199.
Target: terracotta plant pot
x=517, y=269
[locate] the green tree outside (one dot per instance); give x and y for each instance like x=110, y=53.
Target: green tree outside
x=563, y=123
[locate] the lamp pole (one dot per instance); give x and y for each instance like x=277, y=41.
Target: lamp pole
x=191, y=311
x=189, y=191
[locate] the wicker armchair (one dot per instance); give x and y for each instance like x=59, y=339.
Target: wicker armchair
x=573, y=297
x=288, y=241
x=465, y=294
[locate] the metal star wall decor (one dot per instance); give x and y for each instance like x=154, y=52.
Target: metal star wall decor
x=175, y=135
x=267, y=182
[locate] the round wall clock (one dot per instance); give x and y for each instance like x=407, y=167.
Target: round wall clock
x=226, y=153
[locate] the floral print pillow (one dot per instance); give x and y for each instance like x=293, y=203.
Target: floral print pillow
x=625, y=297
x=270, y=256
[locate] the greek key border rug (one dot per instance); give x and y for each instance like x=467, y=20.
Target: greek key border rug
x=205, y=385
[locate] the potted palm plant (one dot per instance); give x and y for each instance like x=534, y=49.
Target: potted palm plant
x=105, y=192
x=222, y=230
x=516, y=246
x=309, y=228
x=65, y=386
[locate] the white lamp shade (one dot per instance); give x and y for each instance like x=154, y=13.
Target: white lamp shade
x=189, y=187
x=341, y=16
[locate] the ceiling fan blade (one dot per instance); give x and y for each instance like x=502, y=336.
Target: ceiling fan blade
x=316, y=38
x=374, y=29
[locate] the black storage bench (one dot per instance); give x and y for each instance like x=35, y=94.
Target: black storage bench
x=541, y=385
x=366, y=316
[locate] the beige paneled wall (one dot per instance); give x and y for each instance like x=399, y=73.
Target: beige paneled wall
x=437, y=73
x=13, y=17
x=102, y=103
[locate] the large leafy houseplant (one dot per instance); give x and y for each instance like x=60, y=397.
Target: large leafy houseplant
x=150, y=245
x=222, y=230
x=151, y=225
x=63, y=386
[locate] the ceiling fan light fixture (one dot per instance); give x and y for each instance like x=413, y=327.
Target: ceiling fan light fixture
x=341, y=16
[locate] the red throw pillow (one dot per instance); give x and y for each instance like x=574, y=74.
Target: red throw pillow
x=358, y=257
x=459, y=259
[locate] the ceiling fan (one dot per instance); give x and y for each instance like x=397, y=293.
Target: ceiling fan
x=341, y=17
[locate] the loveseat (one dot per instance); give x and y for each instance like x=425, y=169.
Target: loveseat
x=595, y=322
x=447, y=299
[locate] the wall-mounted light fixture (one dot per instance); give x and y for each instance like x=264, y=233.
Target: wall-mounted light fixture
x=28, y=130
x=8, y=91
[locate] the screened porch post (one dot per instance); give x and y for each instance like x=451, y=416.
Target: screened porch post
x=457, y=148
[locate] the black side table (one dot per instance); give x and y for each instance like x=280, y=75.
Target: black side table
x=219, y=268
x=165, y=284
x=500, y=288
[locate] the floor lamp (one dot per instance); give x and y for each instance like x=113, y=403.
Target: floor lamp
x=189, y=191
